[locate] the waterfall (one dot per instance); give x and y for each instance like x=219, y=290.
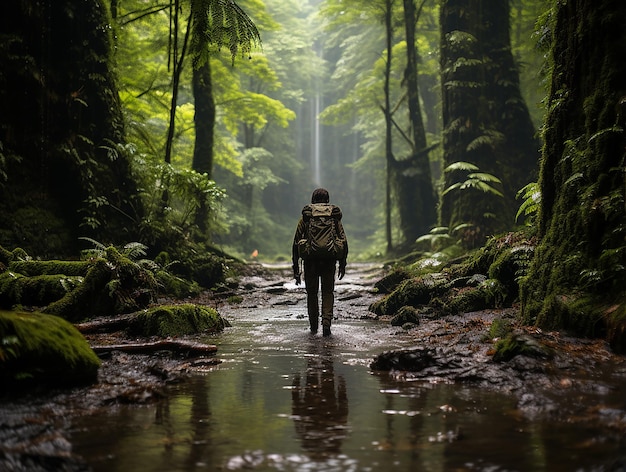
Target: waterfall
x=316, y=141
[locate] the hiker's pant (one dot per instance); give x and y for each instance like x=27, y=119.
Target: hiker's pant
x=316, y=271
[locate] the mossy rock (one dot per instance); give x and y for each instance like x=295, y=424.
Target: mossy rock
x=519, y=344
x=406, y=314
x=43, y=349
x=413, y=292
x=40, y=290
x=489, y=294
x=391, y=281
x=177, y=320
x=510, y=266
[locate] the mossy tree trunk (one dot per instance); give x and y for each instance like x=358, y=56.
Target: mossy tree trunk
x=486, y=121
x=577, y=279
x=414, y=191
x=67, y=174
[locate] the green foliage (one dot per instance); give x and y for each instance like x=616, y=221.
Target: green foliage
x=37, y=348
x=531, y=195
x=217, y=24
x=193, y=200
x=475, y=180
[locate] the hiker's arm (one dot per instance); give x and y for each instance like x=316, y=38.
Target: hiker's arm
x=295, y=257
x=344, y=260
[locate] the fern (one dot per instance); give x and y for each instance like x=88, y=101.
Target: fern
x=531, y=195
x=461, y=165
x=476, y=180
x=221, y=23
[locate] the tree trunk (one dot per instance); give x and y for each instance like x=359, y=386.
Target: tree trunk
x=204, y=120
x=62, y=130
x=413, y=183
x=577, y=279
x=486, y=121
x=388, y=123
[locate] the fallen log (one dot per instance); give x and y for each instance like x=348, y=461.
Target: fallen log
x=107, y=325
x=187, y=348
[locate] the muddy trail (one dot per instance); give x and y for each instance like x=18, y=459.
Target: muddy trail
x=435, y=399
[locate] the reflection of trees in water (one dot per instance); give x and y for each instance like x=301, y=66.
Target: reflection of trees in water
x=320, y=403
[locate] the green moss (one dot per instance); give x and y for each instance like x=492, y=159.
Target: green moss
x=518, y=344
x=235, y=299
x=177, y=320
x=412, y=292
x=174, y=286
x=616, y=323
x=30, y=268
x=390, y=281
x=15, y=289
x=489, y=294
x=5, y=257
x=46, y=349
x=500, y=328
x=112, y=286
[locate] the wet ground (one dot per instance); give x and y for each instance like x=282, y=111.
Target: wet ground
x=277, y=398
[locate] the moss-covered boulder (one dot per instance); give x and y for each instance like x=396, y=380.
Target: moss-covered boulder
x=39, y=290
x=43, y=349
x=390, y=281
x=414, y=292
x=516, y=344
x=406, y=314
x=176, y=320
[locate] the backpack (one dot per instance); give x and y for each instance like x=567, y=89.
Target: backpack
x=322, y=239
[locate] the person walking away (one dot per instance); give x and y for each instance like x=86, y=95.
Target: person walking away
x=320, y=241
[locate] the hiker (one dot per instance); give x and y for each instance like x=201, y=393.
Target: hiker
x=320, y=242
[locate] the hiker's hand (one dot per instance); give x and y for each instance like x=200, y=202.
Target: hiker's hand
x=298, y=280
x=342, y=271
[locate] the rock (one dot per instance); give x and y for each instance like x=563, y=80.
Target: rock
x=411, y=360
x=406, y=314
x=43, y=349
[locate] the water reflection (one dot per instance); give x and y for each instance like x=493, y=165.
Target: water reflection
x=320, y=403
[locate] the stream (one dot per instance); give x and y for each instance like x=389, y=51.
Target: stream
x=284, y=400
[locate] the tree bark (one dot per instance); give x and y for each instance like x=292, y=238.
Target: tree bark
x=188, y=348
x=486, y=121
x=388, y=122
x=204, y=120
x=412, y=178
x=577, y=280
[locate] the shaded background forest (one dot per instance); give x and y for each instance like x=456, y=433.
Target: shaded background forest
x=171, y=124
x=303, y=110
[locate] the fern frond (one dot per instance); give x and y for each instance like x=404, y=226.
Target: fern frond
x=531, y=195
x=461, y=165
x=135, y=250
x=484, y=177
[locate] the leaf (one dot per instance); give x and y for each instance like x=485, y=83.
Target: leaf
x=484, y=177
x=461, y=165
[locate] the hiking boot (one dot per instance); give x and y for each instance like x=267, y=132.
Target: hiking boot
x=326, y=331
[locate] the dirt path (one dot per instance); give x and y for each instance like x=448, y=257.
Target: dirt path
x=570, y=380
